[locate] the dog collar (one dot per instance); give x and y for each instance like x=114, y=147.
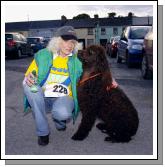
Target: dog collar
x=88, y=78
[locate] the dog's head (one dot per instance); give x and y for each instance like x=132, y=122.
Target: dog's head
x=92, y=56
x=94, y=59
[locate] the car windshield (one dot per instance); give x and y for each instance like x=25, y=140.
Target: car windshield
x=138, y=32
x=8, y=37
x=32, y=40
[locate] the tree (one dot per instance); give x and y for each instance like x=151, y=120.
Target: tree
x=81, y=16
x=64, y=20
x=130, y=14
x=111, y=15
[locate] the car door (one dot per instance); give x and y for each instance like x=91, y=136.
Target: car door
x=23, y=44
x=122, y=45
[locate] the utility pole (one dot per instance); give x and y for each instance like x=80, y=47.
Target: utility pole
x=97, y=38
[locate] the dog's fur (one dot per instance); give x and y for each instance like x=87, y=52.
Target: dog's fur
x=113, y=107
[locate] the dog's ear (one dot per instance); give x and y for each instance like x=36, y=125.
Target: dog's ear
x=102, y=66
x=101, y=60
x=106, y=79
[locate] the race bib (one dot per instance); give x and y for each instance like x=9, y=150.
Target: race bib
x=56, y=90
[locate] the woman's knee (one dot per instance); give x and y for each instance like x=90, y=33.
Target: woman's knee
x=62, y=113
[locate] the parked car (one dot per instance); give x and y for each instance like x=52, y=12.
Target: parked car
x=16, y=45
x=130, y=46
x=147, y=61
x=108, y=45
x=113, y=47
x=46, y=41
x=36, y=43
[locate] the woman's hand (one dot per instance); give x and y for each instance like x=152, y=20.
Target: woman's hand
x=29, y=79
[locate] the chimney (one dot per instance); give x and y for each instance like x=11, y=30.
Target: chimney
x=96, y=16
x=64, y=20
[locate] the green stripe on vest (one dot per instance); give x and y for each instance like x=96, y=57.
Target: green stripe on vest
x=44, y=59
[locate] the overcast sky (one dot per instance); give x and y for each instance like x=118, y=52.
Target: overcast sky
x=32, y=12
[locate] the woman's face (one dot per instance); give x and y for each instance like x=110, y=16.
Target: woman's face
x=66, y=47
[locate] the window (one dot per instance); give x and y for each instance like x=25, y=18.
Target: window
x=103, y=31
x=90, y=31
x=138, y=33
x=90, y=42
x=115, y=31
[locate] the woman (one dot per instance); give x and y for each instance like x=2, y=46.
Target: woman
x=58, y=70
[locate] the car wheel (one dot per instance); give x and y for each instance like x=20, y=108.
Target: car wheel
x=119, y=59
x=129, y=64
x=114, y=54
x=31, y=52
x=146, y=73
x=19, y=53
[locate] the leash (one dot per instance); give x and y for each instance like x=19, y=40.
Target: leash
x=88, y=78
x=93, y=76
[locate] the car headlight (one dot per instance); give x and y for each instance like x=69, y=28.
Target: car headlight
x=137, y=47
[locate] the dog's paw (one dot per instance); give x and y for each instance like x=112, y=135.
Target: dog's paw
x=109, y=139
x=102, y=127
x=104, y=131
x=78, y=137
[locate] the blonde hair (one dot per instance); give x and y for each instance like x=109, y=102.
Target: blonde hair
x=54, y=43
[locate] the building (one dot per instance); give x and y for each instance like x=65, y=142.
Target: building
x=90, y=31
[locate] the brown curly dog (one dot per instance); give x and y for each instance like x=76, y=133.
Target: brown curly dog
x=119, y=116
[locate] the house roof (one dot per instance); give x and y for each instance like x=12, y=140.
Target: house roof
x=81, y=23
x=116, y=21
x=24, y=26
x=45, y=24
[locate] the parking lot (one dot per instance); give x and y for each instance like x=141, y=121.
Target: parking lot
x=20, y=138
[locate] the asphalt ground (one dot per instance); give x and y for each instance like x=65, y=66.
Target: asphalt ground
x=20, y=137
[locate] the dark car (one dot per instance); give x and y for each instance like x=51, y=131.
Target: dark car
x=16, y=45
x=130, y=46
x=46, y=41
x=113, y=47
x=36, y=43
x=147, y=61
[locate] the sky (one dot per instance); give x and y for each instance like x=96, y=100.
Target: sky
x=15, y=12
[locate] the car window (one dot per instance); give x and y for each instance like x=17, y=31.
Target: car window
x=126, y=32
x=32, y=40
x=17, y=37
x=138, y=32
x=23, y=38
x=8, y=37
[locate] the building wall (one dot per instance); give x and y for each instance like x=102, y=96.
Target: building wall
x=142, y=20
x=82, y=34
x=49, y=32
x=110, y=32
